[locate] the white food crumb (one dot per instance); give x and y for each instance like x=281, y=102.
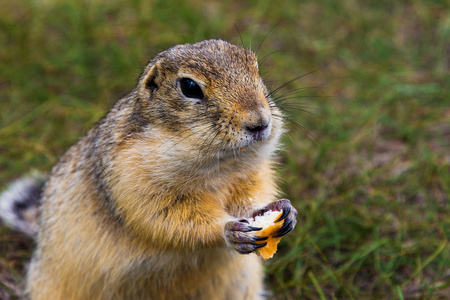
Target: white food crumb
x=265, y=220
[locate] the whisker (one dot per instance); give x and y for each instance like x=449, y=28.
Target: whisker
x=265, y=57
x=273, y=92
x=240, y=36
x=202, y=145
x=183, y=139
x=300, y=126
x=294, y=91
x=308, y=112
x=206, y=147
x=267, y=34
x=291, y=100
x=290, y=105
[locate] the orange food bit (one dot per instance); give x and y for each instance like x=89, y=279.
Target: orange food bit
x=270, y=249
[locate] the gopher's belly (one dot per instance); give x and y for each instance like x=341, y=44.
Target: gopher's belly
x=207, y=274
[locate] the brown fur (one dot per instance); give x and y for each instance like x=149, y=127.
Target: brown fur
x=137, y=208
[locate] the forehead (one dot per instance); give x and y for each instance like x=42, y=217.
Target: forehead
x=211, y=58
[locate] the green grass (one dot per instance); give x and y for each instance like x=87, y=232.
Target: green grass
x=368, y=168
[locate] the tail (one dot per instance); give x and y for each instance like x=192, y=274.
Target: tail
x=19, y=204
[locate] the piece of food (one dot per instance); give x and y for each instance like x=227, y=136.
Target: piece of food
x=269, y=227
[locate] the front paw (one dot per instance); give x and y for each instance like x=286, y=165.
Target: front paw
x=289, y=215
x=240, y=236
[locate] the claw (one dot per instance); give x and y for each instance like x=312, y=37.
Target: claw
x=286, y=211
x=257, y=246
x=285, y=225
x=251, y=228
x=283, y=230
x=260, y=238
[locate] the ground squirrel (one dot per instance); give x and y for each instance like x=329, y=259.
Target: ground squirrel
x=152, y=202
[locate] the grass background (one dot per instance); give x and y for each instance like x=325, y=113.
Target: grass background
x=367, y=159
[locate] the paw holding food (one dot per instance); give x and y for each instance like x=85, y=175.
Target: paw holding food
x=262, y=232
x=276, y=220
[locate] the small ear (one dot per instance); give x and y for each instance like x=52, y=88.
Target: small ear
x=149, y=81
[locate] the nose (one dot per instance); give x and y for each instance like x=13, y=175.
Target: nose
x=259, y=129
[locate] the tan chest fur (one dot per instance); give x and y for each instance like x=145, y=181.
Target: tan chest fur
x=168, y=247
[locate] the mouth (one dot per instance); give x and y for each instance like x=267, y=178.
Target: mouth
x=246, y=143
x=259, y=133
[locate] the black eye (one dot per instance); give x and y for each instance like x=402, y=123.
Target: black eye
x=190, y=88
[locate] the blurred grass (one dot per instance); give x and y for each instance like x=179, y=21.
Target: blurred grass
x=368, y=169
